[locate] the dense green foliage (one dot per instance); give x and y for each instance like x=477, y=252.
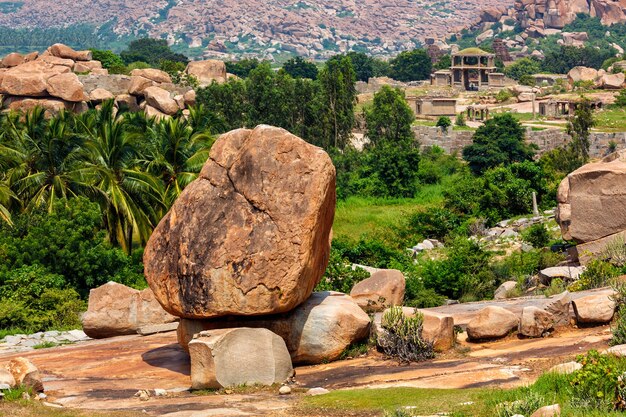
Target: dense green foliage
x=411, y=66
x=242, y=67
x=403, y=336
x=389, y=118
x=151, y=51
x=499, y=141
x=522, y=67
x=563, y=59
x=299, y=68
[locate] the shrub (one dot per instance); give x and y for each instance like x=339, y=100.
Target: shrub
x=444, y=123
x=594, y=385
x=403, y=336
x=460, y=120
x=615, y=252
x=618, y=328
x=526, y=406
x=339, y=275
x=620, y=99
x=537, y=235
x=598, y=274
x=504, y=95
x=435, y=223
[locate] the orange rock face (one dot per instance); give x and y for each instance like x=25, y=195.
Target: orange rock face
x=251, y=235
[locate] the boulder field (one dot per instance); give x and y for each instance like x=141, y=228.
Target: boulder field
x=64, y=79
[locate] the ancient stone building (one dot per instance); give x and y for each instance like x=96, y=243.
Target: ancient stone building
x=501, y=51
x=557, y=109
x=471, y=69
x=426, y=107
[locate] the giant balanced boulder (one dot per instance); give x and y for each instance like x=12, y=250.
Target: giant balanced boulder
x=251, y=235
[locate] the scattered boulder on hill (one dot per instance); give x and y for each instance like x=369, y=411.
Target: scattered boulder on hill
x=612, y=81
x=535, y=322
x=318, y=330
x=594, y=309
x=207, y=71
x=12, y=60
x=582, y=74
x=64, y=51
x=115, y=309
x=233, y=357
x=251, y=235
x=548, y=411
x=383, y=289
x=566, y=273
x=492, y=322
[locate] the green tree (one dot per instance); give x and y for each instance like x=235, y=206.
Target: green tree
x=389, y=118
x=444, y=123
x=242, y=67
x=337, y=99
x=109, y=59
x=299, y=68
x=363, y=65
x=411, y=66
x=620, y=99
x=395, y=165
x=522, y=67
x=444, y=62
x=578, y=128
x=499, y=141
x=151, y=51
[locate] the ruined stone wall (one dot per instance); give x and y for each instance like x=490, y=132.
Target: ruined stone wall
x=454, y=141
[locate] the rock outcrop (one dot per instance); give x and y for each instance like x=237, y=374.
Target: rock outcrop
x=535, y=322
x=207, y=71
x=594, y=309
x=115, y=309
x=251, y=235
x=318, y=330
x=232, y=357
x=492, y=323
x=504, y=289
x=383, y=289
x=25, y=373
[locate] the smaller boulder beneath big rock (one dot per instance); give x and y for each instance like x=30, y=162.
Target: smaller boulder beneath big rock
x=559, y=308
x=594, y=309
x=492, y=323
x=383, y=289
x=161, y=100
x=504, y=289
x=206, y=72
x=231, y=357
x=535, y=322
x=152, y=74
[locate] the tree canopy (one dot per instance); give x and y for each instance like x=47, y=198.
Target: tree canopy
x=411, y=66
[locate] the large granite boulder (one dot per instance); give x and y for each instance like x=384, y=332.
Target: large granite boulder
x=594, y=309
x=207, y=71
x=492, y=323
x=592, y=200
x=251, y=235
x=612, y=81
x=232, y=357
x=115, y=309
x=66, y=87
x=383, y=289
x=12, y=60
x=318, y=330
x=582, y=74
x=153, y=74
x=138, y=84
x=559, y=307
x=28, y=79
x=504, y=289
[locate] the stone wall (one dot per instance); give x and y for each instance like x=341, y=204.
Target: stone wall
x=546, y=140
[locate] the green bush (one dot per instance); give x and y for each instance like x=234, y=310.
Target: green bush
x=434, y=223
x=594, y=386
x=403, y=336
x=525, y=406
x=504, y=95
x=339, y=275
x=460, y=120
x=444, y=123
x=618, y=327
x=537, y=235
x=598, y=274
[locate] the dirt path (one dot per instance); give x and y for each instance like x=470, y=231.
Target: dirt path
x=105, y=374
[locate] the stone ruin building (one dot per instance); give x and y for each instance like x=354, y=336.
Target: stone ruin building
x=563, y=108
x=501, y=51
x=472, y=69
x=426, y=107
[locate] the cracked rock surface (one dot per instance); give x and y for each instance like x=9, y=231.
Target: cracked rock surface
x=251, y=235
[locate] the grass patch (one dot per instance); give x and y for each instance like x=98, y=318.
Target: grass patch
x=611, y=120
x=25, y=408
x=357, y=216
x=45, y=345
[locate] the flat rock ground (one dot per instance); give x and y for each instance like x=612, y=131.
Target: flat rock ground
x=105, y=374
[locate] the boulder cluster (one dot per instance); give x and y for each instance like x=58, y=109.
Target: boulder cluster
x=592, y=205
x=599, y=78
x=64, y=79
x=239, y=254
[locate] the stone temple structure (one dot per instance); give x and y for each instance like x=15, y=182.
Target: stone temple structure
x=471, y=69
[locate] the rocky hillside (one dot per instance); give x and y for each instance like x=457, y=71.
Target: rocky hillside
x=309, y=28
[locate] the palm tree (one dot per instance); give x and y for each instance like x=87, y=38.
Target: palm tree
x=131, y=199
x=49, y=154
x=6, y=195
x=175, y=154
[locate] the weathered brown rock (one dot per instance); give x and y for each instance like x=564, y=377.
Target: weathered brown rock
x=6, y=379
x=67, y=87
x=592, y=200
x=232, y=357
x=64, y=51
x=100, y=94
x=612, y=81
x=594, y=309
x=87, y=66
x=55, y=60
x=28, y=79
x=190, y=98
x=138, y=85
x=153, y=112
x=383, y=289
x=559, y=308
x=25, y=373
x=504, y=289
x=535, y=322
x=12, y=60
x=207, y=71
x=492, y=323
x=115, y=309
x=127, y=101
x=582, y=74
x=318, y=330
x=251, y=235
x=152, y=74
x=548, y=411
x=31, y=56
x=160, y=100
x=51, y=106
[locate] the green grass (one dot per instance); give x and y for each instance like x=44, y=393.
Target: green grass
x=45, y=345
x=356, y=216
x=611, y=119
